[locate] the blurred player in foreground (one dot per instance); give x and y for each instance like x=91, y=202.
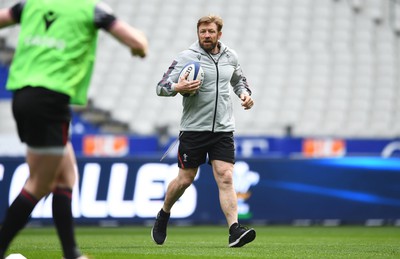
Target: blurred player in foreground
x=51, y=69
x=207, y=124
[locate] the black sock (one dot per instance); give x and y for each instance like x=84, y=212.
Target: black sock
x=62, y=216
x=164, y=214
x=233, y=226
x=16, y=218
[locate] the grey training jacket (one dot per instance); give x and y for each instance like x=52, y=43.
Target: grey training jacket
x=211, y=109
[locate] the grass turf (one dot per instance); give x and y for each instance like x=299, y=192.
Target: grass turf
x=212, y=241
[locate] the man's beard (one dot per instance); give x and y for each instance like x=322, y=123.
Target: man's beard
x=208, y=47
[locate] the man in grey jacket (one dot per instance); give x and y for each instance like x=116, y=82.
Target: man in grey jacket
x=207, y=124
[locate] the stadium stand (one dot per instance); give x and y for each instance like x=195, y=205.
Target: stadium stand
x=319, y=67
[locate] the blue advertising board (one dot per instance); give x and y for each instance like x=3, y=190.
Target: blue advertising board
x=4, y=94
x=271, y=191
x=246, y=146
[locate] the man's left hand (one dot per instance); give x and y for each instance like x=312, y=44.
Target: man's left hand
x=247, y=101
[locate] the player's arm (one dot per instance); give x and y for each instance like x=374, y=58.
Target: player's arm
x=5, y=18
x=132, y=37
x=166, y=86
x=12, y=15
x=122, y=31
x=241, y=88
x=239, y=82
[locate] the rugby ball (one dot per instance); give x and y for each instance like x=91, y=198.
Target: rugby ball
x=195, y=72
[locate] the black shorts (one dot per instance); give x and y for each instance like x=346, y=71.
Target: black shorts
x=195, y=146
x=42, y=116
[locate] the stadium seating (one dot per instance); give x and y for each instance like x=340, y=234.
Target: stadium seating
x=324, y=68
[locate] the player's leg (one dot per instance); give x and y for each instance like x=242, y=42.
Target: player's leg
x=42, y=167
x=238, y=235
x=42, y=118
x=175, y=190
x=222, y=157
x=191, y=154
x=223, y=174
x=43, y=156
x=178, y=186
x=61, y=206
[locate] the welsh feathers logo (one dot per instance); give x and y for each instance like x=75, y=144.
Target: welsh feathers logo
x=244, y=179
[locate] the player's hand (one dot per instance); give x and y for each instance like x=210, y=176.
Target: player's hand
x=139, y=52
x=187, y=87
x=247, y=101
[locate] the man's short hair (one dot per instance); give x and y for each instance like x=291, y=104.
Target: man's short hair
x=211, y=19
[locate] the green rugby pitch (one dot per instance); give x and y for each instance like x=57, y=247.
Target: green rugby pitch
x=212, y=242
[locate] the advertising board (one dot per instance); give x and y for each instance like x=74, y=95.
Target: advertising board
x=130, y=191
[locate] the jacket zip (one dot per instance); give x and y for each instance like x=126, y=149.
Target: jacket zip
x=216, y=92
x=216, y=97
